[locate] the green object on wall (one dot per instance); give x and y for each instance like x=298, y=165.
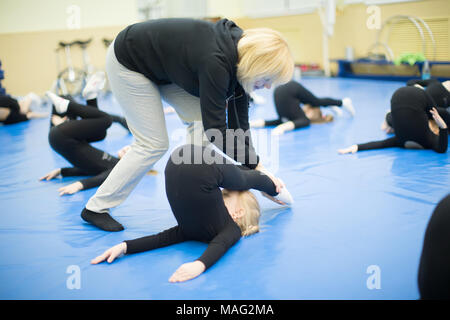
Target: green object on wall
x=410, y=58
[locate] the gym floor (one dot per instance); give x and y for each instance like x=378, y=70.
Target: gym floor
x=352, y=213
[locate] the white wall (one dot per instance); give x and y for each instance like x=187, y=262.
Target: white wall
x=42, y=15
x=230, y=9
x=47, y=15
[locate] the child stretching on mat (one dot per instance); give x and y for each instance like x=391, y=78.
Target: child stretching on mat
x=416, y=123
x=204, y=212
x=71, y=140
x=437, y=92
x=288, y=98
x=15, y=111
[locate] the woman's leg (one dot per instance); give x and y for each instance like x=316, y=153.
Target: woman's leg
x=143, y=109
x=188, y=109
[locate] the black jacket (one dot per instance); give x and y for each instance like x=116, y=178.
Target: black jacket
x=200, y=57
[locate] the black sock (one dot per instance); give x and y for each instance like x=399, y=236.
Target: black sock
x=101, y=220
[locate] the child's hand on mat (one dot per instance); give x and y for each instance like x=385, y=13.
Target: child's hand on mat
x=51, y=175
x=187, y=271
x=352, y=149
x=439, y=121
x=71, y=188
x=112, y=253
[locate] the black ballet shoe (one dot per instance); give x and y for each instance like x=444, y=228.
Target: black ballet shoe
x=101, y=220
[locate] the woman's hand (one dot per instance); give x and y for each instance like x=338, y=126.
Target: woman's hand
x=187, y=271
x=273, y=199
x=111, y=254
x=439, y=121
x=351, y=149
x=277, y=182
x=71, y=188
x=51, y=175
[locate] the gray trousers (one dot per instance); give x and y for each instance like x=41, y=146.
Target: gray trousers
x=141, y=101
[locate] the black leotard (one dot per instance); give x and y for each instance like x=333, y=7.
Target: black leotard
x=71, y=140
x=15, y=115
x=194, y=194
x=409, y=110
x=287, y=99
x=434, y=269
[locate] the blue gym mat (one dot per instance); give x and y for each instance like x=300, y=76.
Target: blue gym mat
x=352, y=212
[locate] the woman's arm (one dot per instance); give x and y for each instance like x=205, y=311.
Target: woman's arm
x=234, y=177
x=214, y=81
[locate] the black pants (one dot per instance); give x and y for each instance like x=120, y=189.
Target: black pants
x=71, y=139
x=287, y=99
x=93, y=103
x=434, y=269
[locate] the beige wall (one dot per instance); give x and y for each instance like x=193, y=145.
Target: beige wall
x=29, y=60
x=304, y=32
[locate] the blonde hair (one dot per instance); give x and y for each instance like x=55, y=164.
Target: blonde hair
x=263, y=52
x=249, y=222
x=316, y=116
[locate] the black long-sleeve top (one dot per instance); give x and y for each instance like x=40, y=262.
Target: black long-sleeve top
x=200, y=57
x=409, y=108
x=196, y=200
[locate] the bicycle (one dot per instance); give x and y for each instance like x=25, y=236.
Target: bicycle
x=71, y=80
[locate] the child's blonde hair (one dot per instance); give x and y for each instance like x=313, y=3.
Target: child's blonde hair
x=314, y=114
x=263, y=53
x=249, y=222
